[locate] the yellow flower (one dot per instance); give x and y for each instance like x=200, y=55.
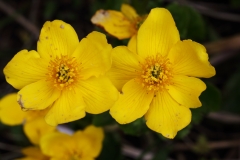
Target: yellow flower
x=64, y=75
x=158, y=81
x=81, y=145
x=122, y=24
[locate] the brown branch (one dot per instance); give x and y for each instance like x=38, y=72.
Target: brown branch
x=19, y=18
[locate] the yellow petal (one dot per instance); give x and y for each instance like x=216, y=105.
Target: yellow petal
x=36, y=128
x=89, y=142
x=115, y=23
x=68, y=107
x=157, y=34
x=186, y=90
x=129, y=12
x=99, y=94
x=125, y=66
x=132, y=104
x=34, y=114
x=96, y=135
x=166, y=116
x=57, y=38
x=94, y=54
x=8, y=104
x=190, y=58
x=37, y=96
x=132, y=44
x=57, y=145
x=33, y=153
x=25, y=68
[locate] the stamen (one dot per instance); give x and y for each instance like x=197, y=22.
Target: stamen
x=63, y=72
x=156, y=73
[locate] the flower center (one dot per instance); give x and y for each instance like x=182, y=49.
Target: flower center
x=156, y=73
x=63, y=72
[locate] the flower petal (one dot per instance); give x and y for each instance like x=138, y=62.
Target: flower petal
x=166, y=116
x=37, y=96
x=68, y=107
x=57, y=38
x=186, y=90
x=132, y=104
x=94, y=54
x=89, y=142
x=25, y=68
x=129, y=12
x=8, y=104
x=115, y=23
x=157, y=34
x=57, y=145
x=132, y=44
x=191, y=59
x=125, y=66
x=33, y=153
x=99, y=94
x=36, y=128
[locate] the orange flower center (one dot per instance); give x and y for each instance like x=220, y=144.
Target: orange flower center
x=156, y=73
x=63, y=72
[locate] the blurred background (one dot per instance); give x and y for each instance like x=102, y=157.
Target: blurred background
x=214, y=133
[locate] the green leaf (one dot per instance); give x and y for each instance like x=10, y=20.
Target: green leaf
x=211, y=101
x=161, y=153
x=232, y=93
x=103, y=119
x=188, y=21
x=184, y=132
x=111, y=148
x=135, y=128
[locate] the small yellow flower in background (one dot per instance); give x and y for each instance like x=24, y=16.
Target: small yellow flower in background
x=64, y=76
x=158, y=80
x=33, y=121
x=86, y=144
x=122, y=25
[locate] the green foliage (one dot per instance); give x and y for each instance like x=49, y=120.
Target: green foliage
x=232, y=93
x=211, y=101
x=102, y=119
x=188, y=21
x=136, y=128
x=111, y=148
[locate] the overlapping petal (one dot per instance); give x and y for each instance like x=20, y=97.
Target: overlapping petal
x=94, y=55
x=132, y=44
x=132, y=104
x=57, y=145
x=99, y=94
x=157, y=34
x=129, y=12
x=25, y=68
x=68, y=107
x=125, y=66
x=56, y=38
x=89, y=142
x=115, y=23
x=36, y=128
x=191, y=59
x=166, y=116
x=8, y=104
x=33, y=153
x=38, y=95
x=186, y=90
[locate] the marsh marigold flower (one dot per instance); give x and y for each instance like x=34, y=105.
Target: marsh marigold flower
x=64, y=75
x=121, y=24
x=158, y=81
x=86, y=144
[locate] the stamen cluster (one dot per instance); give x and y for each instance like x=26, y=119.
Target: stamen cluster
x=63, y=71
x=156, y=73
